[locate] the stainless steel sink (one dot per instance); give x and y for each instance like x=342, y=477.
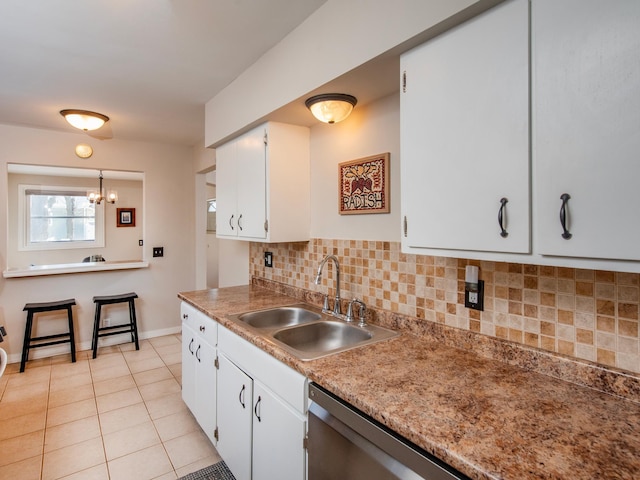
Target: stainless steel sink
x=324, y=336
x=307, y=333
x=279, y=317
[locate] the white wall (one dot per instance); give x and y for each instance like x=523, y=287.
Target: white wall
x=368, y=131
x=337, y=38
x=169, y=221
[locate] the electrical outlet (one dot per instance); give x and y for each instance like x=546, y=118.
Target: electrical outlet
x=158, y=251
x=268, y=259
x=474, y=298
x=140, y=243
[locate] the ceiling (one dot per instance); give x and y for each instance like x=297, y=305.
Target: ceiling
x=150, y=65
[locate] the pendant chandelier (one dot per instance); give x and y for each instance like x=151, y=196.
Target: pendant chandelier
x=98, y=196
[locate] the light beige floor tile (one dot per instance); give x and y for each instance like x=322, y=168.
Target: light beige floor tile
x=115, y=400
x=129, y=347
x=169, y=348
x=108, y=373
x=26, y=393
x=81, y=355
x=106, y=360
x=142, y=354
x=71, y=412
x=67, y=369
x=137, y=366
x=17, y=408
x=176, y=425
x=20, y=448
x=142, y=465
x=113, y=385
x=99, y=472
x=167, y=405
x=200, y=464
x=176, y=369
x=18, y=426
x=122, y=418
x=38, y=362
x=152, y=376
x=29, y=377
x=130, y=440
x=72, y=381
x=72, y=459
x=167, y=476
x=172, y=359
x=71, y=433
x=159, y=389
x=28, y=469
x=70, y=395
x=189, y=448
x=164, y=340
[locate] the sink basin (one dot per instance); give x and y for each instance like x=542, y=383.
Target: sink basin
x=307, y=333
x=279, y=317
x=324, y=336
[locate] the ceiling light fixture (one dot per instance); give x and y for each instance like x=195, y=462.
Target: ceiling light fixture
x=84, y=120
x=331, y=107
x=83, y=150
x=97, y=196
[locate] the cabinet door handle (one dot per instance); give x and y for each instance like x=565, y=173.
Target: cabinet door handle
x=563, y=216
x=231, y=222
x=197, y=352
x=185, y=316
x=202, y=328
x=501, y=215
x=191, y=343
x=256, y=410
x=240, y=224
x=241, y=396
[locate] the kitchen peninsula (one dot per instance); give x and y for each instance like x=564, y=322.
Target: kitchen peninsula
x=487, y=418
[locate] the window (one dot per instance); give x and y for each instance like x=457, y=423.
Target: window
x=59, y=217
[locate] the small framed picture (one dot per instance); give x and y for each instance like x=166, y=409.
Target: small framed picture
x=363, y=185
x=126, y=217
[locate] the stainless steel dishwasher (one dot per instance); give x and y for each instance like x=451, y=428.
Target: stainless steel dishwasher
x=344, y=443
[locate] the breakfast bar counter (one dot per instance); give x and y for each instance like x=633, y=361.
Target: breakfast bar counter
x=487, y=418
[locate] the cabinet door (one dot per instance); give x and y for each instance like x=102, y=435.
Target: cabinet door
x=251, y=184
x=586, y=117
x=465, y=135
x=278, y=435
x=189, y=345
x=226, y=190
x=235, y=393
x=206, y=389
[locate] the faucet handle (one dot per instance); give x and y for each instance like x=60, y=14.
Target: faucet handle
x=325, y=304
x=361, y=312
x=349, y=316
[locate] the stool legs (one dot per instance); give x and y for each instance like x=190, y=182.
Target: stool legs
x=71, y=335
x=27, y=341
x=134, y=322
x=96, y=329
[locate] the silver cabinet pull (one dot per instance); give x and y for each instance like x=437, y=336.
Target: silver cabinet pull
x=240, y=224
x=241, y=396
x=565, y=197
x=256, y=410
x=231, y=222
x=501, y=215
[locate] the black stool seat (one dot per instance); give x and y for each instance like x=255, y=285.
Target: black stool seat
x=131, y=327
x=47, y=340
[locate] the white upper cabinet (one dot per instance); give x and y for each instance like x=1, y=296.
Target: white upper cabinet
x=465, y=136
x=262, y=183
x=586, y=117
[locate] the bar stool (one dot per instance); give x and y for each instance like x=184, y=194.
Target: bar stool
x=35, y=342
x=131, y=327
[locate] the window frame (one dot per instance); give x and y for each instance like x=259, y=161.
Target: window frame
x=24, y=216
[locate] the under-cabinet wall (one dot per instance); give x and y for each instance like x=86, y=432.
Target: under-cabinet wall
x=588, y=314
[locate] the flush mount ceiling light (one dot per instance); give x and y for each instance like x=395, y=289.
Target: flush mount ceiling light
x=331, y=107
x=84, y=120
x=83, y=150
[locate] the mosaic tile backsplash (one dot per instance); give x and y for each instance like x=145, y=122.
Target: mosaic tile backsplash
x=588, y=314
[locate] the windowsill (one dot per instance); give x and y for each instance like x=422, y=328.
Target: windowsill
x=62, y=268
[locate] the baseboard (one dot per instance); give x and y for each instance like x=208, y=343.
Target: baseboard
x=63, y=349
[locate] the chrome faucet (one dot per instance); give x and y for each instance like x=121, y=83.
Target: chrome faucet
x=361, y=312
x=337, y=311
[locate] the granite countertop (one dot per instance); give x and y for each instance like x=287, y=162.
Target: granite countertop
x=486, y=418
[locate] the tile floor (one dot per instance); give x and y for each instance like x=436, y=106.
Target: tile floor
x=118, y=417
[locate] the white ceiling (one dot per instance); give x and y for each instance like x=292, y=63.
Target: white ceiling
x=150, y=65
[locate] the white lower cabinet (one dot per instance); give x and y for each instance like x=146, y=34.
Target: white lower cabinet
x=262, y=413
x=199, y=339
